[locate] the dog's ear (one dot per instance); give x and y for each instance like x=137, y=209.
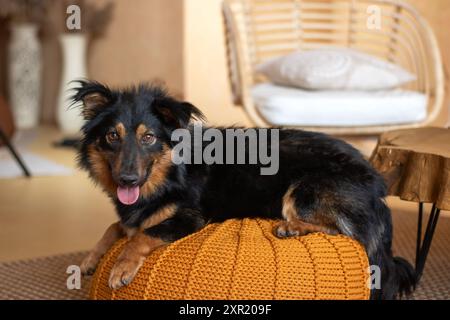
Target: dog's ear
x=94, y=97
x=176, y=114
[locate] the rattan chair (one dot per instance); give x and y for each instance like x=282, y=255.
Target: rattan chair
x=257, y=30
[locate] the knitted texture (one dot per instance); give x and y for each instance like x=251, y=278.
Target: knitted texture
x=242, y=259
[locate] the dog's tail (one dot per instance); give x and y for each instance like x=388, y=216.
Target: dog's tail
x=398, y=277
x=405, y=277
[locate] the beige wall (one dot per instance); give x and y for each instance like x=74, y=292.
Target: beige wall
x=205, y=76
x=437, y=13
x=143, y=42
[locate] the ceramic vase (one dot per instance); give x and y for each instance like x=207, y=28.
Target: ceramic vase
x=25, y=66
x=74, y=68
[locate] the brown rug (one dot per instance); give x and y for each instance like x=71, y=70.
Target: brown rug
x=41, y=279
x=45, y=278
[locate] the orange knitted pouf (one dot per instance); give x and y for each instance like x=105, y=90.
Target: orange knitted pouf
x=242, y=259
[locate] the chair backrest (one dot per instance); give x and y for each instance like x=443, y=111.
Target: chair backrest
x=257, y=30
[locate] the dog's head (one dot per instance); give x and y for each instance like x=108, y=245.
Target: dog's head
x=127, y=136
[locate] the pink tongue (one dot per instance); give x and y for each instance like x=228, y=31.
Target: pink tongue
x=128, y=195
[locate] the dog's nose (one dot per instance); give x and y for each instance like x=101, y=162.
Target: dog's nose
x=128, y=179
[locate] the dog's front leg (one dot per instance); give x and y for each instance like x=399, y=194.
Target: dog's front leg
x=130, y=260
x=111, y=235
x=143, y=242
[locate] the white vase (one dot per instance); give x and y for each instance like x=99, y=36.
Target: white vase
x=24, y=61
x=74, y=67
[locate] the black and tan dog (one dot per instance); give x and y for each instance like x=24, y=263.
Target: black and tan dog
x=322, y=185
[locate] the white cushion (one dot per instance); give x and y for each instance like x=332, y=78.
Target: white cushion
x=297, y=107
x=333, y=68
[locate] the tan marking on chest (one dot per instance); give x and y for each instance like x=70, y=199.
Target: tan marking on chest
x=156, y=218
x=159, y=216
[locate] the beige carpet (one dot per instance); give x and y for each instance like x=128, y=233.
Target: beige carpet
x=45, y=278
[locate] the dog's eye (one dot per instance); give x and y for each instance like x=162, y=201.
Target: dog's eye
x=148, y=138
x=112, y=136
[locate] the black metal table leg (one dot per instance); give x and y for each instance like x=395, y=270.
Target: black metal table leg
x=423, y=247
x=419, y=233
x=14, y=153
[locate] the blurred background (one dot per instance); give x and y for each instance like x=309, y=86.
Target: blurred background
x=179, y=42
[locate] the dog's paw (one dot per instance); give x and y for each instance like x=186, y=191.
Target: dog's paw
x=286, y=229
x=89, y=264
x=295, y=228
x=124, y=272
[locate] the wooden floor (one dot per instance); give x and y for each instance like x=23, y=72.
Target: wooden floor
x=50, y=215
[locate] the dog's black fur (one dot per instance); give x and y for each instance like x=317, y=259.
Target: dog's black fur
x=333, y=185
